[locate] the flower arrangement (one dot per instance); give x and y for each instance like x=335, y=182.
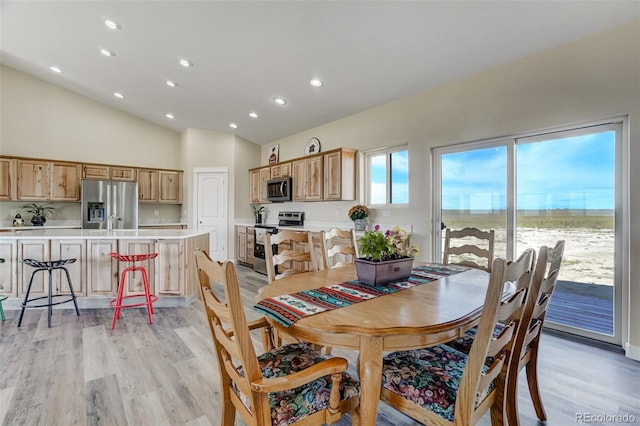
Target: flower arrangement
x=392, y=244
x=358, y=211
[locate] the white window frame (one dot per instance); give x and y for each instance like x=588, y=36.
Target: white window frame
x=387, y=151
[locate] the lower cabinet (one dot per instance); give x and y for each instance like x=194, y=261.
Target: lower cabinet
x=170, y=267
x=70, y=249
x=244, y=245
x=8, y=269
x=38, y=250
x=134, y=284
x=102, y=269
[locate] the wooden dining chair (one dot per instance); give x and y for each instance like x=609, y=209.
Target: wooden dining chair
x=526, y=346
x=443, y=386
x=291, y=384
x=295, y=254
x=339, y=247
x=466, y=250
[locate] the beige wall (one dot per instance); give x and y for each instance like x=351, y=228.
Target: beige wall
x=591, y=79
x=40, y=120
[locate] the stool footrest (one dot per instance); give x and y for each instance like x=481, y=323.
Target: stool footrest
x=70, y=299
x=153, y=298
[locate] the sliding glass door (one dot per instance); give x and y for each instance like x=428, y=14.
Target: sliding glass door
x=537, y=189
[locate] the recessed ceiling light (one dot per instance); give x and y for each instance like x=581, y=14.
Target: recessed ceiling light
x=111, y=24
x=169, y=116
x=185, y=62
x=118, y=95
x=233, y=125
x=253, y=115
x=55, y=69
x=280, y=101
x=106, y=52
x=315, y=82
x=171, y=83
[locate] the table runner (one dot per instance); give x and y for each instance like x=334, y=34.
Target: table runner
x=289, y=308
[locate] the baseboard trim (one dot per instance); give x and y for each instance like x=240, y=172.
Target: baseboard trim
x=632, y=351
x=586, y=340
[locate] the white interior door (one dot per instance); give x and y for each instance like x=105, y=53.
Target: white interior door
x=211, y=200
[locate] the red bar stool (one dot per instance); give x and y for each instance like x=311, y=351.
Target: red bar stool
x=149, y=298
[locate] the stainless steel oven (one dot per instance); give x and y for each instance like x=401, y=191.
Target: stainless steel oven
x=259, y=262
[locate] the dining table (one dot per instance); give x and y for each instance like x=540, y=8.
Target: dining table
x=424, y=315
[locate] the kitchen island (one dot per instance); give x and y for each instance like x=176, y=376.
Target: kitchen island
x=95, y=275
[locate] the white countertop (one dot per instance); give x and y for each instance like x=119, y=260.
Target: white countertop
x=97, y=234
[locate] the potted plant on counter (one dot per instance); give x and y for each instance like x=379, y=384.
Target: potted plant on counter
x=388, y=256
x=358, y=214
x=258, y=212
x=40, y=212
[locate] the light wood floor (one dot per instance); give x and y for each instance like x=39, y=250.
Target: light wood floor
x=80, y=372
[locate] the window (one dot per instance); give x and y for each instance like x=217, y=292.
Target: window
x=388, y=176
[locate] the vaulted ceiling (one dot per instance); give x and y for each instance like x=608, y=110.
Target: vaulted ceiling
x=243, y=54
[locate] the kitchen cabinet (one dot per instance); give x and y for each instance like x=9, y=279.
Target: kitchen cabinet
x=340, y=175
x=258, y=179
x=65, y=181
x=8, y=269
x=170, y=183
x=103, y=172
x=307, y=178
x=7, y=179
x=170, y=267
x=70, y=249
x=96, y=171
x=250, y=245
x=241, y=244
x=280, y=170
x=147, y=185
x=102, y=269
x=32, y=249
x=33, y=180
x=134, y=284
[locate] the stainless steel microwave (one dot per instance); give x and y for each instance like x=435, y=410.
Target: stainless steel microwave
x=280, y=189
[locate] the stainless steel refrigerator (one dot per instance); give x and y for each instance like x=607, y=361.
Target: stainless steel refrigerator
x=108, y=204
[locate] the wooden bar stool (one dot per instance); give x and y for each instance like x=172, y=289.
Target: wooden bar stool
x=149, y=298
x=49, y=266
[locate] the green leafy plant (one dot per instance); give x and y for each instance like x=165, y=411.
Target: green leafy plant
x=378, y=246
x=258, y=210
x=35, y=209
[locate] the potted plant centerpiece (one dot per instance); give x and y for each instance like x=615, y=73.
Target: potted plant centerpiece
x=388, y=256
x=358, y=214
x=40, y=212
x=258, y=212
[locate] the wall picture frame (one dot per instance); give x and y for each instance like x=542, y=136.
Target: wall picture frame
x=312, y=147
x=274, y=154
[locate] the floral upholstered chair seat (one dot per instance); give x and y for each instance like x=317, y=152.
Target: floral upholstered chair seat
x=463, y=344
x=428, y=377
x=292, y=405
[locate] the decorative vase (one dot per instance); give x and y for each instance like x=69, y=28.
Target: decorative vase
x=38, y=220
x=360, y=224
x=259, y=218
x=379, y=273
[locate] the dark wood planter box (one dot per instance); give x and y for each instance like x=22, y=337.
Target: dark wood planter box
x=379, y=273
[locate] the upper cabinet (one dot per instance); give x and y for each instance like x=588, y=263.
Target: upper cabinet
x=148, y=185
x=7, y=179
x=103, y=172
x=65, y=181
x=340, y=175
x=327, y=176
x=258, y=179
x=307, y=179
x=160, y=186
x=280, y=170
x=28, y=179
x=33, y=180
x=170, y=187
